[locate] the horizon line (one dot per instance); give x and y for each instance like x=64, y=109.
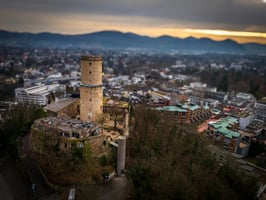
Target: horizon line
x=207, y=32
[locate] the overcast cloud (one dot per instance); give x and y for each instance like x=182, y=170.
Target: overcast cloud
x=239, y=15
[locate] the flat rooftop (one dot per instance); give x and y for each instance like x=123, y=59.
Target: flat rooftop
x=171, y=109
x=244, y=114
x=115, y=103
x=256, y=125
x=41, y=89
x=237, y=101
x=223, y=126
x=181, y=108
x=64, y=125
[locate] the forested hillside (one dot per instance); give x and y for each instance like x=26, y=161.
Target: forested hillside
x=168, y=161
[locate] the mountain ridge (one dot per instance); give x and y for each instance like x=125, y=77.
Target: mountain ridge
x=111, y=39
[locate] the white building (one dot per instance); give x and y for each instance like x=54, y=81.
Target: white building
x=36, y=94
x=260, y=107
x=246, y=96
x=245, y=118
x=197, y=85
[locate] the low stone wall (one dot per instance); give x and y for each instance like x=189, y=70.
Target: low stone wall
x=98, y=143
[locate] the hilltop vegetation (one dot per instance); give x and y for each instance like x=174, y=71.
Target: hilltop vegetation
x=168, y=161
x=18, y=122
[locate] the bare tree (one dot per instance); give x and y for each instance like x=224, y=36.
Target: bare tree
x=101, y=120
x=115, y=114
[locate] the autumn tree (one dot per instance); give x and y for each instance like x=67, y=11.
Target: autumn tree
x=18, y=121
x=166, y=160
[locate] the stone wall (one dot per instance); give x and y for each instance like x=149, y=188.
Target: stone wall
x=90, y=103
x=46, y=136
x=91, y=97
x=98, y=144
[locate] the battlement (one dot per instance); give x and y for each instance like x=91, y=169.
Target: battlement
x=91, y=58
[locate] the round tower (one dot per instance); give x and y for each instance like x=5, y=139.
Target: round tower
x=91, y=95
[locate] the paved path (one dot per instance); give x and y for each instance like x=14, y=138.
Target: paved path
x=42, y=190
x=4, y=190
x=118, y=188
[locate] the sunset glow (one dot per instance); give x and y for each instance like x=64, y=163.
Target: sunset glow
x=241, y=20
x=227, y=33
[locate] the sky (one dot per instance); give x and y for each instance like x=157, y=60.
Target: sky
x=241, y=20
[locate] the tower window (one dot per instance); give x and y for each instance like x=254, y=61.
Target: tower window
x=89, y=72
x=90, y=63
x=90, y=99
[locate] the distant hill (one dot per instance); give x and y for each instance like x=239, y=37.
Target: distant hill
x=119, y=40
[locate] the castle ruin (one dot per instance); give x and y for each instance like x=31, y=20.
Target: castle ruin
x=91, y=95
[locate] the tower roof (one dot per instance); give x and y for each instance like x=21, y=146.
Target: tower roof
x=91, y=58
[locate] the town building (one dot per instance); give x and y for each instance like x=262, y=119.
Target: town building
x=245, y=117
x=256, y=127
x=220, y=96
x=242, y=101
x=260, y=107
x=186, y=113
x=66, y=107
x=39, y=94
x=224, y=132
x=246, y=96
x=158, y=99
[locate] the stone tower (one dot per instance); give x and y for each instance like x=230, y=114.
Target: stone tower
x=91, y=95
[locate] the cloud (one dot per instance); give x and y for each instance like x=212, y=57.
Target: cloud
x=237, y=15
x=227, y=33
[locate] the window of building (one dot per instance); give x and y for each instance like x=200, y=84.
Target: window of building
x=65, y=145
x=76, y=135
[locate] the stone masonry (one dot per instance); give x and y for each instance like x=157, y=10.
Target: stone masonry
x=91, y=95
